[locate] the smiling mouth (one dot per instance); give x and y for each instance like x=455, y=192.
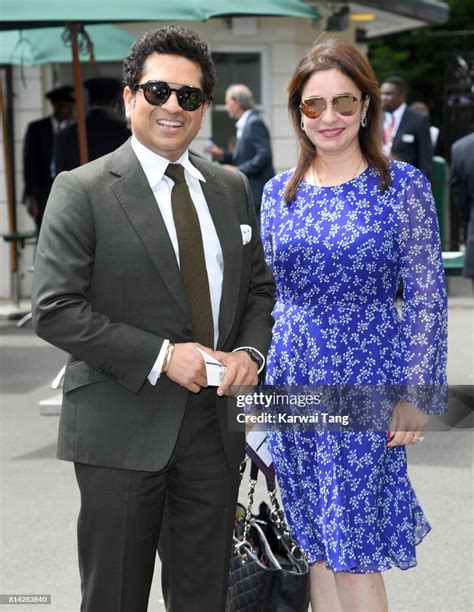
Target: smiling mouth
x=169, y=123
x=331, y=133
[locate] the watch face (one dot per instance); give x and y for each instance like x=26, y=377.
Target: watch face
x=254, y=356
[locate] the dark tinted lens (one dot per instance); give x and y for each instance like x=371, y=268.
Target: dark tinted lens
x=156, y=92
x=313, y=107
x=345, y=105
x=190, y=98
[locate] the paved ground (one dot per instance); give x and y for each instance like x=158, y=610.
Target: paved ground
x=39, y=500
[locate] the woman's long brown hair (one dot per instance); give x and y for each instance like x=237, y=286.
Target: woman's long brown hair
x=336, y=53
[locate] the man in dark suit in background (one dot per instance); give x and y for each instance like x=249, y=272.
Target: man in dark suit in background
x=125, y=283
x=38, y=151
x=253, y=151
x=462, y=186
x=106, y=128
x=406, y=132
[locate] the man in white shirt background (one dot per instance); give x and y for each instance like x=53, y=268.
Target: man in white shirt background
x=406, y=132
x=252, y=154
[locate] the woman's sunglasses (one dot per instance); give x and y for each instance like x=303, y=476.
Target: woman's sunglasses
x=158, y=92
x=345, y=104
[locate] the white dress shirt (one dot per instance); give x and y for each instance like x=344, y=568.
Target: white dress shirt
x=57, y=126
x=154, y=167
x=240, y=124
x=397, y=116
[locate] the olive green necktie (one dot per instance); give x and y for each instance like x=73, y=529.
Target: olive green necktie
x=192, y=262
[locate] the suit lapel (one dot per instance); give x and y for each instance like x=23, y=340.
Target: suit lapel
x=227, y=226
x=137, y=200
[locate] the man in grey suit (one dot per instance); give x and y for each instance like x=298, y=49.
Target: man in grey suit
x=125, y=283
x=462, y=187
x=253, y=150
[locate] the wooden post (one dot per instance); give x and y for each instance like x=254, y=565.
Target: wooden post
x=11, y=217
x=74, y=30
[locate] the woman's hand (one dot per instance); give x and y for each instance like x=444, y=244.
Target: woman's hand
x=408, y=424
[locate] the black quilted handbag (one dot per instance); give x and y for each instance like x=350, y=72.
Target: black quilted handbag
x=268, y=571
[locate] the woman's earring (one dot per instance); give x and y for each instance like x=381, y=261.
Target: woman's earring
x=302, y=125
x=363, y=121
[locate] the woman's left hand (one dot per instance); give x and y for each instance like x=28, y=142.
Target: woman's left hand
x=408, y=424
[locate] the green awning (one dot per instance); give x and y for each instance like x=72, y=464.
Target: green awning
x=40, y=13
x=431, y=11
x=45, y=45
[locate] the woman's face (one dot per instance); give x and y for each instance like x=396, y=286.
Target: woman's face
x=333, y=132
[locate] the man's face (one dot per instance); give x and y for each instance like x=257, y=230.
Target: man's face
x=63, y=110
x=168, y=130
x=232, y=106
x=392, y=97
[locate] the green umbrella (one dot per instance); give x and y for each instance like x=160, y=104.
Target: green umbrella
x=45, y=45
x=55, y=12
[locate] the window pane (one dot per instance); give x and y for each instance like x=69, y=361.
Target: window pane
x=233, y=68
x=223, y=129
x=237, y=68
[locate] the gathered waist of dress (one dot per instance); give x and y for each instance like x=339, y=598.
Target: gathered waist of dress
x=323, y=308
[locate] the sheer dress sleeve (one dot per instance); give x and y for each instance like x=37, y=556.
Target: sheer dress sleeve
x=423, y=334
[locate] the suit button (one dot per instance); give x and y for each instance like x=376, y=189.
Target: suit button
x=187, y=331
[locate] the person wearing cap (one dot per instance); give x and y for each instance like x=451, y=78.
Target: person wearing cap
x=106, y=129
x=38, y=151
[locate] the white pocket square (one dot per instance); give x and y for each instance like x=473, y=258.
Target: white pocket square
x=246, y=233
x=408, y=138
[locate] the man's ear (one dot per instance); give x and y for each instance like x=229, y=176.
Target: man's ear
x=129, y=100
x=204, y=108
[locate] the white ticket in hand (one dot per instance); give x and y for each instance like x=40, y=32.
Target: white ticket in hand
x=215, y=370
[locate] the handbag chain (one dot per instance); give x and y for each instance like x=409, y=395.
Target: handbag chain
x=276, y=515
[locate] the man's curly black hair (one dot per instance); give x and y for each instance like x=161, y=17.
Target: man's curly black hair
x=171, y=40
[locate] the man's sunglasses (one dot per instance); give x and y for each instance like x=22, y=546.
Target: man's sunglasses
x=345, y=104
x=158, y=92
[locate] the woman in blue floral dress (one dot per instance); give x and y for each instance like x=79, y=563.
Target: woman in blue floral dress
x=340, y=231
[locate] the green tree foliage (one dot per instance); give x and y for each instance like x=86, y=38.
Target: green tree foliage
x=420, y=57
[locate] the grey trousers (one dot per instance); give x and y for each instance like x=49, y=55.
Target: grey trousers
x=188, y=508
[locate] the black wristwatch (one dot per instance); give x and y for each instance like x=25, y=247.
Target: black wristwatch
x=254, y=356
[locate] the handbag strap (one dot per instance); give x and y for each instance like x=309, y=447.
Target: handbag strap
x=250, y=496
x=277, y=515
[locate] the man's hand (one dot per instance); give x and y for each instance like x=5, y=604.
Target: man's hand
x=32, y=206
x=408, y=424
x=230, y=167
x=241, y=370
x=187, y=367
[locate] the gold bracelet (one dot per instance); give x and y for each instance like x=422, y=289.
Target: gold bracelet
x=168, y=357
x=165, y=359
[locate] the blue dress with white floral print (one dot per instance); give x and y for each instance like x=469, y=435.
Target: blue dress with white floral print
x=338, y=255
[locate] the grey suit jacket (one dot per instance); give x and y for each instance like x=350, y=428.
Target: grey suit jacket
x=107, y=290
x=253, y=156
